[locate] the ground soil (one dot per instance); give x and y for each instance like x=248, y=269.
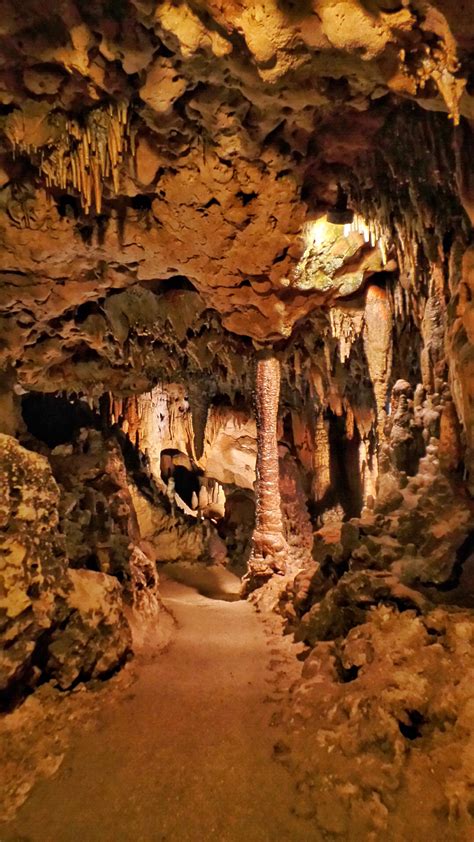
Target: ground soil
x=187, y=752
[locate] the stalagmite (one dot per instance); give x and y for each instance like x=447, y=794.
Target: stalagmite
x=269, y=549
x=203, y=497
x=321, y=459
x=378, y=346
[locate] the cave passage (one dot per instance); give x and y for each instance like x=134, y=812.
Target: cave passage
x=206, y=728
x=346, y=481
x=236, y=421
x=54, y=419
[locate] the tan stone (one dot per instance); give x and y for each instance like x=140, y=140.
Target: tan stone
x=163, y=86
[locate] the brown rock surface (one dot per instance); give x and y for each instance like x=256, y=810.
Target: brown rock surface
x=183, y=186
x=57, y=622
x=386, y=711
x=237, y=121
x=97, y=637
x=269, y=549
x=34, y=576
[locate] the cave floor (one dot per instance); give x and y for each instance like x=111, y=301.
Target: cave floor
x=186, y=753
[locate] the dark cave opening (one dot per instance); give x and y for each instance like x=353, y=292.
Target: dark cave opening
x=54, y=419
x=411, y=728
x=346, y=483
x=186, y=481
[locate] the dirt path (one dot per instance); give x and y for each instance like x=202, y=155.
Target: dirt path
x=186, y=754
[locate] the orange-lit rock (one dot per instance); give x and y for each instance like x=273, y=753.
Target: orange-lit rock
x=269, y=548
x=186, y=188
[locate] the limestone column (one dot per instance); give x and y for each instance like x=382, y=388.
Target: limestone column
x=321, y=458
x=269, y=549
x=378, y=348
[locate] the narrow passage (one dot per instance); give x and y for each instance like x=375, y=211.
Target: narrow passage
x=186, y=753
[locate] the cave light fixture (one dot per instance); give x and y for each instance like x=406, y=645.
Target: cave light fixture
x=340, y=214
x=322, y=230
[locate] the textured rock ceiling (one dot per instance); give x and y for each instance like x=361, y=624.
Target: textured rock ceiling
x=185, y=147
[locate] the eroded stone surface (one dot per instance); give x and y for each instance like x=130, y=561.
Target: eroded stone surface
x=165, y=171
x=97, y=637
x=61, y=623
x=387, y=712
x=231, y=127
x=34, y=565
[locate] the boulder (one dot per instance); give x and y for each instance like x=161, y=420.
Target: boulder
x=96, y=637
x=33, y=569
x=388, y=713
x=55, y=622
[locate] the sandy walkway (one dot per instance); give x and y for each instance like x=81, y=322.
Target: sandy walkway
x=186, y=754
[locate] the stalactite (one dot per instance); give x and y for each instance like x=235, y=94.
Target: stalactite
x=199, y=406
x=346, y=326
x=463, y=144
x=87, y=154
x=368, y=468
x=269, y=549
x=131, y=418
x=402, y=205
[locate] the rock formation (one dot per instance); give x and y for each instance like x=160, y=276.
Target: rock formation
x=56, y=623
x=269, y=549
x=190, y=191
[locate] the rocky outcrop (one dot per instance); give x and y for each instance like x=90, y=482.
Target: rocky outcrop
x=56, y=623
x=385, y=711
x=94, y=637
x=409, y=550
x=34, y=577
x=165, y=536
x=96, y=511
x=383, y=608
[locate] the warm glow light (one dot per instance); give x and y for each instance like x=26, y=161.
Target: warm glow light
x=318, y=232
x=322, y=231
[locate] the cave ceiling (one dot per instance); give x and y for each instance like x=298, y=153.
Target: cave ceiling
x=163, y=164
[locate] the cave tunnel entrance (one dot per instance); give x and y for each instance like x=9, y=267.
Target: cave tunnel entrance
x=346, y=482
x=55, y=419
x=186, y=480
x=185, y=483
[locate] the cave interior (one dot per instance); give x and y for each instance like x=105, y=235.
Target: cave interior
x=237, y=411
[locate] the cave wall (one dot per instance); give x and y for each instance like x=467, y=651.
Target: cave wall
x=58, y=624
x=183, y=185
x=128, y=215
